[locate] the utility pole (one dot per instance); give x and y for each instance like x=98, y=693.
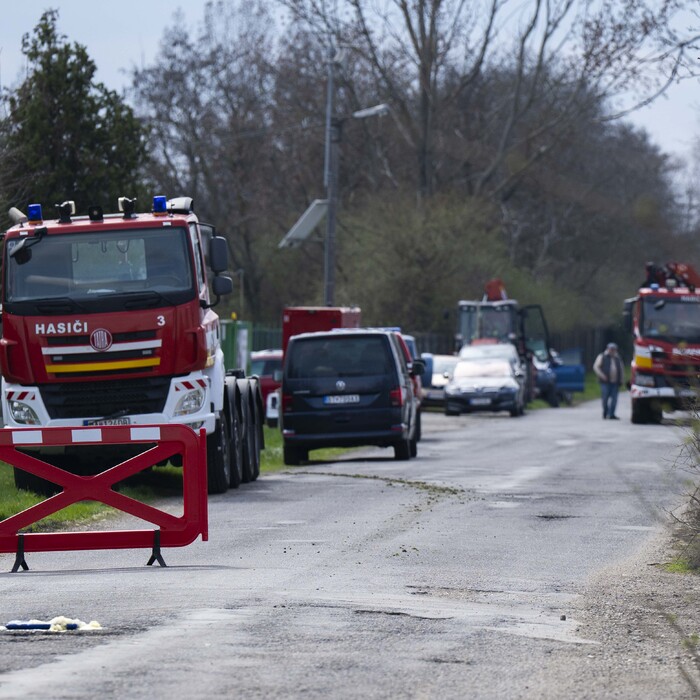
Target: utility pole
x=330, y=180
x=334, y=135
x=331, y=216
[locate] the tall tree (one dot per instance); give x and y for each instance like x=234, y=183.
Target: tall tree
x=66, y=136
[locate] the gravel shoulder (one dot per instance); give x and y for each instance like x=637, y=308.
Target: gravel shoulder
x=644, y=623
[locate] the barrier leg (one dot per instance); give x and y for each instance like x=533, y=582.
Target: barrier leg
x=156, y=556
x=19, y=557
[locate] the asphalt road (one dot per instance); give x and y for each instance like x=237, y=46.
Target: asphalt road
x=451, y=575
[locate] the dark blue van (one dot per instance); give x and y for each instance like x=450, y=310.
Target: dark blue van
x=346, y=388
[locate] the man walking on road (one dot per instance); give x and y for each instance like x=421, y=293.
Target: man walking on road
x=610, y=372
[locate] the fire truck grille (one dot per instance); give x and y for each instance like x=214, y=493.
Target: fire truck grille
x=104, y=399
x=126, y=353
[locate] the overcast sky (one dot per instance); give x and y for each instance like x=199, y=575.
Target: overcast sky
x=126, y=33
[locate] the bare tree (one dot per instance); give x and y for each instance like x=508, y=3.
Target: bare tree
x=429, y=59
x=206, y=101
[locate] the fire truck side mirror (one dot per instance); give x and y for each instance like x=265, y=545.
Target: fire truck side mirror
x=218, y=254
x=222, y=285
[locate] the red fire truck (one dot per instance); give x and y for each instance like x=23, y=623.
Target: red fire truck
x=664, y=318
x=107, y=319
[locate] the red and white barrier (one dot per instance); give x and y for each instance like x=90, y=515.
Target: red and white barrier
x=170, y=531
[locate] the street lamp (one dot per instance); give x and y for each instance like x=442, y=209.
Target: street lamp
x=328, y=207
x=334, y=134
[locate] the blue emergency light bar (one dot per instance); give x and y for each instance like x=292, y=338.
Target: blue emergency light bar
x=34, y=213
x=160, y=204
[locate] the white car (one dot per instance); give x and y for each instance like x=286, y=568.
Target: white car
x=485, y=384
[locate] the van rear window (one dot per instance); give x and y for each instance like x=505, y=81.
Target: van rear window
x=340, y=357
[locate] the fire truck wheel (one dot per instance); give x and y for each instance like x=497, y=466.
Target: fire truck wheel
x=251, y=449
x=218, y=458
x=640, y=412
x=246, y=445
x=235, y=449
x=256, y=429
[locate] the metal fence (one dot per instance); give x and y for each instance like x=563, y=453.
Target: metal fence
x=266, y=337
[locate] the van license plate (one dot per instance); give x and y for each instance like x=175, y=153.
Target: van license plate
x=341, y=399
x=108, y=421
x=480, y=402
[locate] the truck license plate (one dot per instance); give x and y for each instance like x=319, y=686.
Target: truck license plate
x=341, y=399
x=480, y=402
x=108, y=421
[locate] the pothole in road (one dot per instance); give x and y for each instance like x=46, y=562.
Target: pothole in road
x=555, y=516
x=438, y=660
x=399, y=613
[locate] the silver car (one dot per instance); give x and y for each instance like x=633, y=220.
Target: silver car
x=485, y=384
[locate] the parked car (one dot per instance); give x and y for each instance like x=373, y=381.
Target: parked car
x=410, y=352
x=346, y=388
x=267, y=364
x=485, y=384
x=507, y=351
x=438, y=372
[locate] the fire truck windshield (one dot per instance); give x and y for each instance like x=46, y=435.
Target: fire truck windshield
x=671, y=319
x=112, y=266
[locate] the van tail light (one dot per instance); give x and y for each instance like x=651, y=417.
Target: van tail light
x=396, y=396
x=286, y=403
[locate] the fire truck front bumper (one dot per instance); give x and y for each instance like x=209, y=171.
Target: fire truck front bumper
x=188, y=403
x=674, y=395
